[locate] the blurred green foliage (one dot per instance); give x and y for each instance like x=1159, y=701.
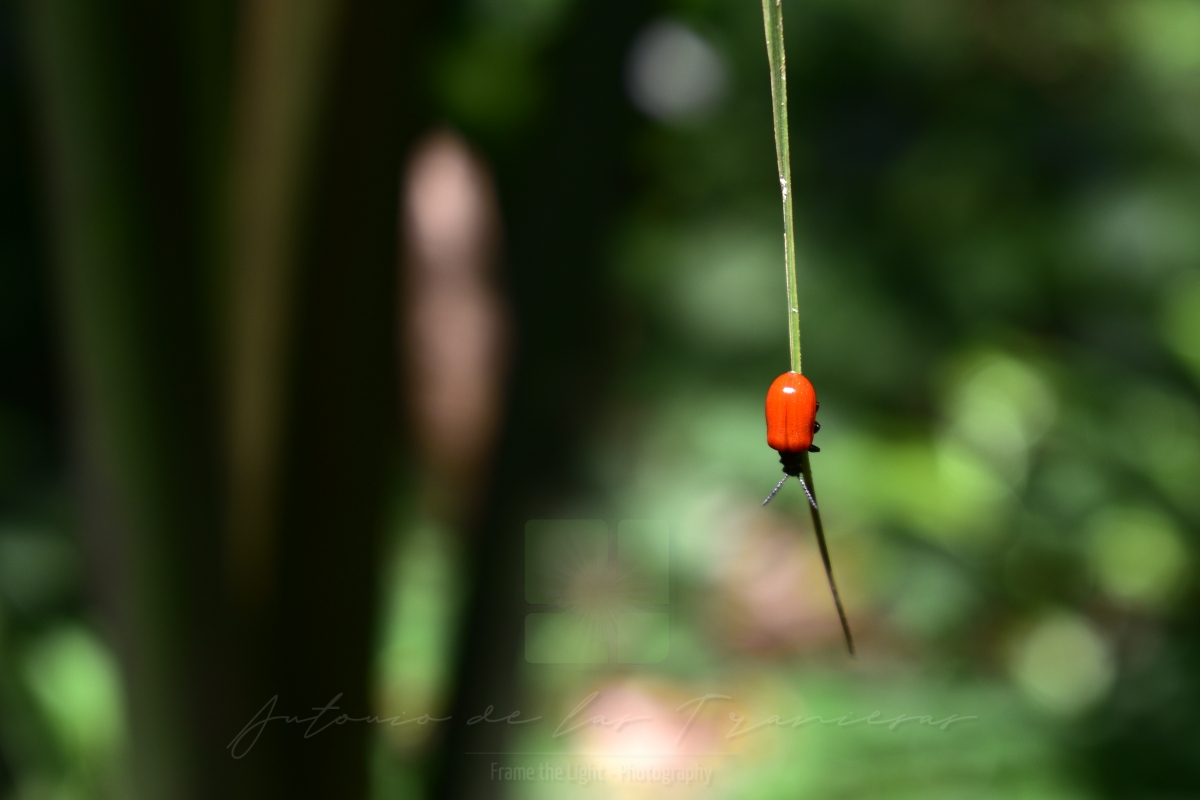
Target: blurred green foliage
x=999, y=256
x=998, y=207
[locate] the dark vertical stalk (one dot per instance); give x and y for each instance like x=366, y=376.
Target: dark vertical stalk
x=126, y=285
x=561, y=197
x=134, y=97
x=341, y=445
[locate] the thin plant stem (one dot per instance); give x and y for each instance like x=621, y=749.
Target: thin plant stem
x=773, y=25
x=811, y=490
x=777, y=59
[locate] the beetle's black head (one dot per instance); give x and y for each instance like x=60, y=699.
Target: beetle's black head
x=791, y=462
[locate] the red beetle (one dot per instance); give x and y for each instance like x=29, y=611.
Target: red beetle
x=791, y=424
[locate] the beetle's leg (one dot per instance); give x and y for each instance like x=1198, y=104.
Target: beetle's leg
x=816, y=426
x=812, y=448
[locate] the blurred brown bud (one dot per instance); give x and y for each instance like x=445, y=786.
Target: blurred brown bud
x=457, y=333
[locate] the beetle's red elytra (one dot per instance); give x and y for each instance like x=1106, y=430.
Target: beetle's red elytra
x=792, y=414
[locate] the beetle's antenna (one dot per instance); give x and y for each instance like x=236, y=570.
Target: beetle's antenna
x=778, y=486
x=812, y=500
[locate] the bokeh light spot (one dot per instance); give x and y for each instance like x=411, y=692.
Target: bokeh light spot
x=673, y=74
x=1064, y=664
x=1138, y=555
